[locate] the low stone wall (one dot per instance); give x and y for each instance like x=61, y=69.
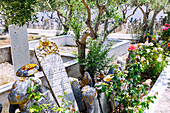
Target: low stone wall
x=159, y=87
x=119, y=48
x=5, y=55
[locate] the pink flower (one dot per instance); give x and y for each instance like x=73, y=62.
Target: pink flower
x=154, y=31
x=135, y=110
x=169, y=25
x=132, y=47
x=166, y=24
x=142, y=59
x=147, y=62
x=165, y=28
x=147, y=82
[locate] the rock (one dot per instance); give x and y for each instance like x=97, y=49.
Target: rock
x=87, y=80
x=77, y=92
x=18, y=93
x=89, y=95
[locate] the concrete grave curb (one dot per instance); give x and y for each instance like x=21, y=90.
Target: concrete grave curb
x=159, y=86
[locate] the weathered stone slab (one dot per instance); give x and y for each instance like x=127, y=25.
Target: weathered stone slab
x=52, y=64
x=19, y=46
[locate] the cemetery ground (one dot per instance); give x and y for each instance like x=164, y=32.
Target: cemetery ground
x=71, y=50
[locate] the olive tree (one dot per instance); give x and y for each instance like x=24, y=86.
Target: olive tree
x=155, y=6
x=19, y=11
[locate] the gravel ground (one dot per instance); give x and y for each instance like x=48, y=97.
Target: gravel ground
x=6, y=73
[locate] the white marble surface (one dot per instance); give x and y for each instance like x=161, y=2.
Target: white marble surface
x=19, y=46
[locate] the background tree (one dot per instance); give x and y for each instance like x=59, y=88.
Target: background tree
x=19, y=11
x=147, y=7
x=63, y=8
x=85, y=17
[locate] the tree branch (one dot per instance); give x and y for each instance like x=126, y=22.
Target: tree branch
x=120, y=23
x=88, y=22
x=133, y=12
x=155, y=14
x=145, y=17
x=58, y=14
x=99, y=17
x=84, y=37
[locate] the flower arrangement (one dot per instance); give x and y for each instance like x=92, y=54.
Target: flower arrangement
x=152, y=60
x=130, y=88
x=166, y=32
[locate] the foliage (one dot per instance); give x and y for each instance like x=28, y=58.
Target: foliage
x=127, y=92
x=19, y=11
x=152, y=60
x=37, y=108
x=97, y=57
x=148, y=7
x=130, y=90
x=165, y=35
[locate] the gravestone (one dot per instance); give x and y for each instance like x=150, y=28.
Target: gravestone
x=52, y=64
x=19, y=46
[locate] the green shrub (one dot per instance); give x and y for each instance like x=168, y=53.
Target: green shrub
x=97, y=57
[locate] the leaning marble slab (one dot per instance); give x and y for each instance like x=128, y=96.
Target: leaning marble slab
x=49, y=58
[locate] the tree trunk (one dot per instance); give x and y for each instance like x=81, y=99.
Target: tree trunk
x=81, y=56
x=65, y=30
x=6, y=25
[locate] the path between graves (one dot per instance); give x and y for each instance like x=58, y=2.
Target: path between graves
x=164, y=102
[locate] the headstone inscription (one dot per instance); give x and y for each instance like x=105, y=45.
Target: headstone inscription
x=48, y=55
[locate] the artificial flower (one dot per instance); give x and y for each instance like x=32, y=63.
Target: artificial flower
x=153, y=38
x=151, y=44
x=148, y=50
x=155, y=49
x=166, y=24
x=159, y=59
x=137, y=56
x=142, y=59
x=165, y=28
x=154, y=31
x=140, y=44
x=147, y=61
x=132, y=47
x=160, y=49
x=167, y=59
x=147, y=82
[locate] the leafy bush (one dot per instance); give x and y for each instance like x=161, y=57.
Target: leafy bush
x=166, y=32
x=37, y=108
x=152, y=60
x=96, y=58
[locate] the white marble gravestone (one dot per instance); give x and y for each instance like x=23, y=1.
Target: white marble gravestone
x=19, y=46
x=52, y=64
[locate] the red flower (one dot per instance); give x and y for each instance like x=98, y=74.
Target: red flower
x=166, y=24
x=165, y=28
x=132, y=47
x=167, y=44
x=169, y=25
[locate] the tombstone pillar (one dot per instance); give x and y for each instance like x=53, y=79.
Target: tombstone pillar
x=19, y=46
